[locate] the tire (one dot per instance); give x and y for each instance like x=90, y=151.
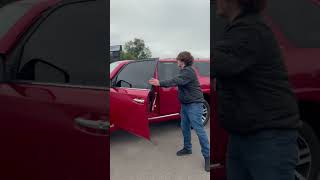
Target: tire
x=309, y=157
x=206, y=114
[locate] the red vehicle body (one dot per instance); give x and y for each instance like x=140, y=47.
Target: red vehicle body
x=298, y=36
x=156, y=103
x=57, y=130
x=53, y=90
x=54, y=93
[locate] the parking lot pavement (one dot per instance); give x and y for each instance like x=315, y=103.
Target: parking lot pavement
x=134, y=158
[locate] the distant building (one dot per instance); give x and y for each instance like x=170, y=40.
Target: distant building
x=115, y=52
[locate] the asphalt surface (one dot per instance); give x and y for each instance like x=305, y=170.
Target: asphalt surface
x=133, y=158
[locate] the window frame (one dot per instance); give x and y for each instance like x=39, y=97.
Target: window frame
x=28, y=6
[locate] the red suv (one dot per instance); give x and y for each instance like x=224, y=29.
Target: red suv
x=298, y=34
x=134, y=102
x=54, y=90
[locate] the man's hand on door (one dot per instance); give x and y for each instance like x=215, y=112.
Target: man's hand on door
x=154, y=82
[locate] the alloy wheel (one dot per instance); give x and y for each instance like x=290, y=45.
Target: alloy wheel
x=302, y=171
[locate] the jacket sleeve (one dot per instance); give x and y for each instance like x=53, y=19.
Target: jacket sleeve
x=183, y=78
x=238, y=51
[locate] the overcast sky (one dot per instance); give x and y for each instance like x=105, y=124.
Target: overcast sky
x=166, y=26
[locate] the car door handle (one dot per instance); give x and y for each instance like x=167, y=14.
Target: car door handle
x=137, y=100
x=93, y=124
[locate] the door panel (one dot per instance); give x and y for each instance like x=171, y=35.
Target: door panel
x=168, y=97
x=42, y=140
x=128, y=110
x=169, y=103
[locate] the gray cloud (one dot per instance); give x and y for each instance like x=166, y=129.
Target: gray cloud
x=167, y=26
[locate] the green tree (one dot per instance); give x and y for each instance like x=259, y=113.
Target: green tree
x=135, y=49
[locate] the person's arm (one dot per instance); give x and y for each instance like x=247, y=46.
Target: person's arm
x=237, y=52
x=183, y=78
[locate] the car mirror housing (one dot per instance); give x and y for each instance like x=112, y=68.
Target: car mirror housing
x=122, y=83
x=34, y=67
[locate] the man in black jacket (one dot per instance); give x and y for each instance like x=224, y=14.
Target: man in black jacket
x=255, y=102
x=191, y=99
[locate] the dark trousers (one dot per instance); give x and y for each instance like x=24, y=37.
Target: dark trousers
x=267, y=155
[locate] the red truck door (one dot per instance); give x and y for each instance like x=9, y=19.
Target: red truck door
x=128, y=110
x=168, y=97
x=53, y=110
x=130, y=97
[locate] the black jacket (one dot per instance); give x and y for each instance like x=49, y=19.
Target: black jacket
x=188, y=85
x=253, y=90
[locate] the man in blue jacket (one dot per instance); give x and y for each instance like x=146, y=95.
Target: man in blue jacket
x=191, y=99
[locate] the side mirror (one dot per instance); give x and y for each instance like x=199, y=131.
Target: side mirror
x=123, y=83
x=42, y=71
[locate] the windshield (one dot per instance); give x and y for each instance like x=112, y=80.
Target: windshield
x=203, y=68
x=11, y=13
x=113, y=66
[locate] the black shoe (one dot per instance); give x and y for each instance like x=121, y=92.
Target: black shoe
x=183, y=152
x=207, y=164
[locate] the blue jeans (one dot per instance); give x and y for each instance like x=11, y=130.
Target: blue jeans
x=191, y=116
x=267, y=155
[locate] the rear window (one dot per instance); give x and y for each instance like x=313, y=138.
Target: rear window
x=167, y=70
x=298, y=20
x=300, y=23
x=203, y=68
x=11, y=13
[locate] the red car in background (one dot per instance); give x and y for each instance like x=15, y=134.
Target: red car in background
x=134, y=102
x=298, y=34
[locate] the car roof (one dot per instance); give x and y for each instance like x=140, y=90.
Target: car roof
x=167, y=60
x=174, y=59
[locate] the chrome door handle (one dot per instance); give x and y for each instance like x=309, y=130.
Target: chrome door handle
x=137, y=100
x=98, y=125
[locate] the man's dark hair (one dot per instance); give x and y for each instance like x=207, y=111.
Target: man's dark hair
x=252, y=6
x=185, y=57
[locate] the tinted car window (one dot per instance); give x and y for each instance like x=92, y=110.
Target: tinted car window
x=167, y=70
x=203, y=68
x=137, y=74
x=73, y=39
x=11, y=13
x=300, y=22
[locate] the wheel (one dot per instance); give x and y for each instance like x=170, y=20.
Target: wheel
x=205, y=113
x=309, y=159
